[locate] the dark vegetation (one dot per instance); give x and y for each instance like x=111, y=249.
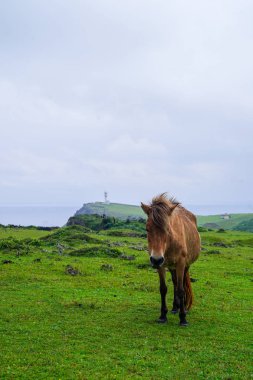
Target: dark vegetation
x=31, y=227
x=246, y=225
x=102, y=222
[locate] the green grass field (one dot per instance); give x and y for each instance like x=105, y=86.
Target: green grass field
x=89, y=313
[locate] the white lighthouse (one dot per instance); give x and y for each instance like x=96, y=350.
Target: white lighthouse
x=107, y=202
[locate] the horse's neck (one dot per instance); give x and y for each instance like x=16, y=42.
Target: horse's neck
x=171, y=228
x=170, y=232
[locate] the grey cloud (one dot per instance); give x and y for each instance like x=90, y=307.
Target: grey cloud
x=136, y=97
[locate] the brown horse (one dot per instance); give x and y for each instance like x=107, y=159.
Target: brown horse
x=173, y=243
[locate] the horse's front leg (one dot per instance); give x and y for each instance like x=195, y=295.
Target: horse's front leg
x=180, y=270
x=163, y=292
x=176, y=302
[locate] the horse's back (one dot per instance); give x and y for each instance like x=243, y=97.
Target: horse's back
x=189, y=233
x=188, y=214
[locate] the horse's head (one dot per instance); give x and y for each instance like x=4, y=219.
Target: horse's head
x=157, y=227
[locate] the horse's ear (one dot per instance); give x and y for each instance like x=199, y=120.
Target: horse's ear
x=145, y=208
x=172, y=208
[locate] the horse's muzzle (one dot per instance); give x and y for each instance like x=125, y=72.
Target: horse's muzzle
x=156, y=263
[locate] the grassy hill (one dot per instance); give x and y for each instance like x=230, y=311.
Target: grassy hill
x=124, y=211
x=229, y=224
x=82, y=304
x=117, y=210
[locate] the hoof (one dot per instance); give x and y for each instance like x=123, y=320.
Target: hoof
x=162, y=320
x=174, y=311
x=183, y=324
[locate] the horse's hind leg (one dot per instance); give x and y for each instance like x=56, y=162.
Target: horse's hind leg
x=176, y=301
x=163, y=292
x=181, y=293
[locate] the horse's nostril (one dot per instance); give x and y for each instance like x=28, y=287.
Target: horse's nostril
x=156, y=262
x=161, y=261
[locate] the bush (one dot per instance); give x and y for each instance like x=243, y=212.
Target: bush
x=100, y=223
x=202, y=229
x=96, y=251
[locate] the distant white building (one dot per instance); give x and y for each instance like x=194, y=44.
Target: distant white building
x=225, y=216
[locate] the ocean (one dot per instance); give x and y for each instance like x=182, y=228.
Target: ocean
x=36, y=215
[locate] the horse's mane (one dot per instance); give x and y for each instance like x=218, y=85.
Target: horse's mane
x=161, y=208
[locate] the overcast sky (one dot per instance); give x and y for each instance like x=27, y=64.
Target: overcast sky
x=134, y=97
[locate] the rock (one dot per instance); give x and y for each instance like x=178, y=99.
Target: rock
x=213, y=252
x=72, y=271
x=125, y=257
x=220, y=244
x=7, y=262
x=106, y=267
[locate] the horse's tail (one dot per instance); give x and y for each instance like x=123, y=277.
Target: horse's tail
x=188, y=291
